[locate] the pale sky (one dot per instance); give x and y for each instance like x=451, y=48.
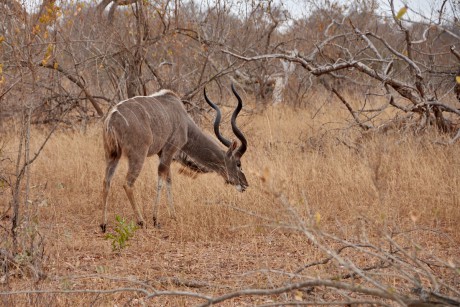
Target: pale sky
x=298, y=8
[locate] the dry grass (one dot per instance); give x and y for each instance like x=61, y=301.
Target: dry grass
x=225, y=240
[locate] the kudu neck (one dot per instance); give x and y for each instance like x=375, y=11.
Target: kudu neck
x=204, y=150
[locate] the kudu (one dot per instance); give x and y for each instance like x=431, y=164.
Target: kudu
x=158, y=124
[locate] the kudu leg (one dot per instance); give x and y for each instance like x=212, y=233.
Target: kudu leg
x=172, y=211
x=156, y=204
x=109, y=171
x=134, y=169
x=164, y=176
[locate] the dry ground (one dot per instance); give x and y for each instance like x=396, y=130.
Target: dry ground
x=223, y=240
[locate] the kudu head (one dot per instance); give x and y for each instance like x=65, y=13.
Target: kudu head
x=232, y=172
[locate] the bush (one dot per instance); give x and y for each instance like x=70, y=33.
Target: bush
x=123, y=232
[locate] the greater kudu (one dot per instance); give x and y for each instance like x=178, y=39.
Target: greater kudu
x=159, y=125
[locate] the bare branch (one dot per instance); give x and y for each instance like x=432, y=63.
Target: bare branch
x=444, y=107
x=69, y=76
x=350, y=109
x=455, y=52
x=307, y=284
x=407, y=59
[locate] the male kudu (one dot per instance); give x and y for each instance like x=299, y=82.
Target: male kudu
x=158, y=124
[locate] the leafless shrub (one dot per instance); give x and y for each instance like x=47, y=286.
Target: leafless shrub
x=412, y=74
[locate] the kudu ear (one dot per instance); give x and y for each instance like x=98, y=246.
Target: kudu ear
x=232, y=148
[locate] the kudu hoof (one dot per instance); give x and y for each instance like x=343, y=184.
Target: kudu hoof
x=156, y=224
x=141, y=224
x=103, y=227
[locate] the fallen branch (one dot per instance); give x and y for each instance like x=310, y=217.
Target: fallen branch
x=307, y=284
x=185, y=283
x=350, y=109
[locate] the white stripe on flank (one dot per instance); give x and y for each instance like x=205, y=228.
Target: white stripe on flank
x=115, y=109
x=143, y=108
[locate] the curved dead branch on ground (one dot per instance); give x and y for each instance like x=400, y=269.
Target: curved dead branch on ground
x=425, y=280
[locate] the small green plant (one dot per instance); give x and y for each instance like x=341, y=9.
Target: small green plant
x=123, y=232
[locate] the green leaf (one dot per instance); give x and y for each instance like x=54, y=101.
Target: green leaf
x=123, y=232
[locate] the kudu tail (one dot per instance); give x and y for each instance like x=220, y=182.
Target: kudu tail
x=111, y=144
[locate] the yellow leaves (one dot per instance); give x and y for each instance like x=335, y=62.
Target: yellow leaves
x=2, y=39
x=44, y=18
x=51, y=13
x=77, y=12
x=50, y=48
x=401, y=12
x=36, y=29
x=55, y=65
x=457, y=79
x=80, y=6
x=48, y=54
x=317, y=218
x=298, y=295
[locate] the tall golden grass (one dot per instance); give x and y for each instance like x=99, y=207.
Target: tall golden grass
x=396, y=181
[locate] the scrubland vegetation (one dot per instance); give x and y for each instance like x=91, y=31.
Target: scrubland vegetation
x=352, y=120
x=313, y=189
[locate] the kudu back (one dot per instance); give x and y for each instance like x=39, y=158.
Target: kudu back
x=158, y=124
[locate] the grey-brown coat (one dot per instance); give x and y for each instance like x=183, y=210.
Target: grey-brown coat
x=159, y=125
